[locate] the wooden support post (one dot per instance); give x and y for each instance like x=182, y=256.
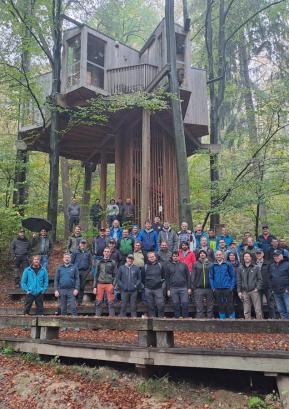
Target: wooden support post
x=103, y=179
x=146, y=338
x=283, y=388
x=88, y=169
x=118, y=166
x=165, y=339
x=144, y=370
x=146, y=167
x=35, y=332
x=49, y=332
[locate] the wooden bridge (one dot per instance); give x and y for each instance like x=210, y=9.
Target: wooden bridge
x=155, y=343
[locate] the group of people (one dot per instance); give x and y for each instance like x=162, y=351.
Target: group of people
x=157, y=263
x=123, y=212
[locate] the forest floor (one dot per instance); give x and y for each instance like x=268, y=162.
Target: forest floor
x=28, y=382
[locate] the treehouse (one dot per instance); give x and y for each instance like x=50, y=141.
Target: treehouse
x=139, y=144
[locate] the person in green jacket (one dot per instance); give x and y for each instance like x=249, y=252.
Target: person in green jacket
x=125, y=246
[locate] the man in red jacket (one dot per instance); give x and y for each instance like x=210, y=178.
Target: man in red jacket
x=187, y=256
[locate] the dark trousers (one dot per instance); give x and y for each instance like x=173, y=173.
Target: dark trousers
x=204, y=296
x=155, y=299
x=270, y=301
x=83, y=274
x=73, y=221
x=67, y=299
x=128, y=297
x=224, y=300
x=20, y=263
x=38, y=299
x=180, y=298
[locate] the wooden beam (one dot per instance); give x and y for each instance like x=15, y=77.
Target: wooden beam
x=146, y=167
x=103, y=179
x=118, y=166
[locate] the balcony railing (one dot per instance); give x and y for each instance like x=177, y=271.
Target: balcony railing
x=125, y=80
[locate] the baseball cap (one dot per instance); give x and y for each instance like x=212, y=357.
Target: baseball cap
x=277, y=253
x=130, y=256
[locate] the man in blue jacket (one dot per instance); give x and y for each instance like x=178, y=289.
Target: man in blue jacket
x=128, y=280
x=66, y=285
x=34, y=282
x=279, y=274
x=148, y=238
x=223, y=281
x=82, y=259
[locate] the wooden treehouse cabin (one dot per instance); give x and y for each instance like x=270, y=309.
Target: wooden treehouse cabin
x=139, y=144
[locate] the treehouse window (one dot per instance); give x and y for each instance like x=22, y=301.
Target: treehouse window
x=95, y=61
x=180, y=46
x=73, y=61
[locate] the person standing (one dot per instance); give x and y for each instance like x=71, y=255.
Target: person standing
x=129, y=282
x=178, y=283
x=20, y=249
x=224, y=236
x=249, y=283
x=264, y=241
x=128, y=212
x=279, y=274
x=222, y=282
x=82, y=260
x=112, y=211
x=96, y=212
x=169, y=235
x=204, y=246
x=134, y=233
x=186, y=235
x=115, y=232
x=74, y=240
x=34, y=282
x=157, y=225
x=153, y=278
x=66, y=285
x=199, y=232
x=42, y=245
x=73, y=211
x=114, y=252
x=203, y=293
x=138, y=255
x=148, y=238
x=120, y=211
x=125, y=245
x=266, y=290
x=187, y=256
x=164, y=254
x=104, y=282
x=212, y=240
x=99, y=243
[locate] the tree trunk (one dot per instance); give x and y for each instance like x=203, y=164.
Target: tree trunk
x=66, y=193
x=179, y=136
x=54, y=130
x=20, y=193
x=88, y=168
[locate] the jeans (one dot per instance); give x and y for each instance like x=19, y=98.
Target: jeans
x=282, y=303
x=83, y=274
x=67, y=298
x=128, y=297
x=38, y=299
x=44, y=262
x=73, y=221
x=155, y=298
x=180, y=298
x=204, y=296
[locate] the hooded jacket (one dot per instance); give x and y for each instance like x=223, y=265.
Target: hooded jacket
x=188, y=258
x=34, y=283
x=153, y=275
x=105, y=272
x=170, y=237
x=222, y=275
x=148, y=239
x=200, y=274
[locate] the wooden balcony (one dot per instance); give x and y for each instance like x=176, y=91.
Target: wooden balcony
x=125, y=80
